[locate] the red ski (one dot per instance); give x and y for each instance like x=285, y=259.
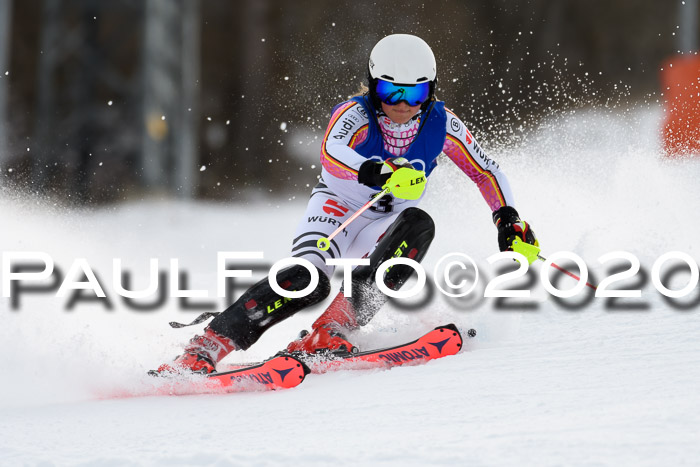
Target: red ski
x=440, y=342
x=280, y=372
x=287, y=371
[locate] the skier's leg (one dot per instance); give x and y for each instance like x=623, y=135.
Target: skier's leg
x=241, y=325
x=409, y=236
x=259, y=308
x=324, y=214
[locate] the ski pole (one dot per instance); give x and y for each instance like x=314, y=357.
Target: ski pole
x=324, y=243
x=532, y=253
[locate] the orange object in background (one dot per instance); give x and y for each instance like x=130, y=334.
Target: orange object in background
x=680, y=82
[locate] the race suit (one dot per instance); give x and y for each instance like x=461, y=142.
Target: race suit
x=338, y=194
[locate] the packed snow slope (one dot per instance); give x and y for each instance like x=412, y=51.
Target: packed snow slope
x=584, y=382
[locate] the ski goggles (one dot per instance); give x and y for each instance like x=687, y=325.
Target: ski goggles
x=412, y=94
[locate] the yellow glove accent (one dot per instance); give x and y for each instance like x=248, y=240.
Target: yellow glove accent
x=531, y=252
x=406, y=183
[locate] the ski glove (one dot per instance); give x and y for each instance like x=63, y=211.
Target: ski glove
x=397, y=173
x=509, y=226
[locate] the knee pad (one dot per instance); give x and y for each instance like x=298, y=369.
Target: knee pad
x=410, y=237
x=260, y=307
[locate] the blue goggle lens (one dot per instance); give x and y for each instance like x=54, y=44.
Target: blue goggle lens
x=412, y=94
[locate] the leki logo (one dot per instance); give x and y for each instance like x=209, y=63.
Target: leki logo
x=277, y=304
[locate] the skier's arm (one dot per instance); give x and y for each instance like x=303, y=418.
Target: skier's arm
x=346, y=130
x=463, y=149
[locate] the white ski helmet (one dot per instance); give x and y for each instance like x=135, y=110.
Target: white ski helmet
x=402, y=58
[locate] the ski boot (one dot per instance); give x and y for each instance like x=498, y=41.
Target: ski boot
x=322, y=340
x=326, y=336
x=200, y=356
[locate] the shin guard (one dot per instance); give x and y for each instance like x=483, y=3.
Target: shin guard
x=260, y=307
x=408, y=237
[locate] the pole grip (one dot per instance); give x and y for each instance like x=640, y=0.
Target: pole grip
x=530, y=252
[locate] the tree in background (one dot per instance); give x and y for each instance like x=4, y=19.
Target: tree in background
x=246, y=87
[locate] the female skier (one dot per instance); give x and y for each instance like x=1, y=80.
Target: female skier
x=391, y=134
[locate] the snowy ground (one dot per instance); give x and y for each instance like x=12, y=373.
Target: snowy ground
x=541, y=386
